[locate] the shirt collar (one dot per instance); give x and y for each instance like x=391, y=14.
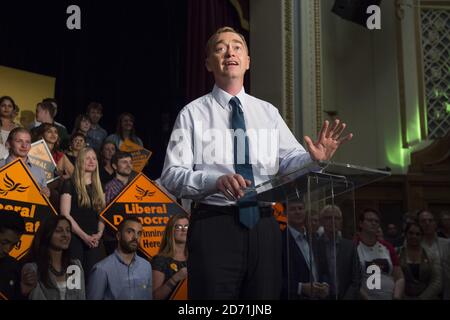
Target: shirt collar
x=296, y=234
x=223, y=98
x=117, y=254
x=11, y=159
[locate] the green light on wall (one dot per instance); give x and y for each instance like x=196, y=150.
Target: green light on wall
x=413, y=129
x=396, y=155
x=447, y=107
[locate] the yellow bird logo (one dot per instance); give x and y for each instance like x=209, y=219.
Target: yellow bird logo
x=142, y=193
x=11, y=186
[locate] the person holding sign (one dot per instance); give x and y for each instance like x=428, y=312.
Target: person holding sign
x=82, y=200
x=234, y=244
x=125, y=131
x=19, y=145
x=49, y=132
x=53, y=273
x=169, y=266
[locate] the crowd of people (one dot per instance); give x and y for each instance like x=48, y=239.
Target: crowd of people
x=320, y=263
x=414, y=264
x=229, y=246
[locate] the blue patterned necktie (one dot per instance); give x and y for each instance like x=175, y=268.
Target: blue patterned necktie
x=248, y=207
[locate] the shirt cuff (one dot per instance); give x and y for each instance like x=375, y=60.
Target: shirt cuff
x=299, y=290
x=210, y=182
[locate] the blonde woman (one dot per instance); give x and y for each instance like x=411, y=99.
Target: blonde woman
x=82, y=199
x=169, y=266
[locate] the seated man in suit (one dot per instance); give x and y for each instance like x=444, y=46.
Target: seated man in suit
x=300, y=274
x=338, y=262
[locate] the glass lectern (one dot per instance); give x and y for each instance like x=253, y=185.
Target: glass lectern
x=319, y=256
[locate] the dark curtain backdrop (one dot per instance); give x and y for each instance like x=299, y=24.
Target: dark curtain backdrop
x=144, y=57
x=204, y=18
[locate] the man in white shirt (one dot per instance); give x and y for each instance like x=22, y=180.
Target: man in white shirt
x=437, y=246
x=213, y=155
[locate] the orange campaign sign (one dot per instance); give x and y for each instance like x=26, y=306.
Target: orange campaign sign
x=41, y=156
x=19, y=192
x=139, y=155
x=143, y=199
x=181, y=291
x=280, y=215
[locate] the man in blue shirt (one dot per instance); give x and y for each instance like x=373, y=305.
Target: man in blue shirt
x=123, y=275
x=96, y=135
x=19, y=145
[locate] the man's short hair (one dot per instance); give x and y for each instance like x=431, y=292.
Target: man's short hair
x=15, y=131
x=49, y=106
x=362, y=215
x=94, y=106
x=76, y=135
x=11, y=220
x=212, y=40
x=119, y=155
x=124, y=222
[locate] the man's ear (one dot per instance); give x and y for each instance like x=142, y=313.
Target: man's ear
x=113, y=165
x=248, y=63
x=207, y=65
x=118, y=235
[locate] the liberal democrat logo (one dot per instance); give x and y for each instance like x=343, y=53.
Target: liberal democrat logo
x=142, y=193
x=9, y=185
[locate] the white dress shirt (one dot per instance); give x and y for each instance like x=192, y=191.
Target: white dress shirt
x=201, y=146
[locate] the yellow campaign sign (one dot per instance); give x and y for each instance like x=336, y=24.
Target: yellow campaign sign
x=19, y=192
x=139, y=155
x=41, y=157
x=181, y=291
x=143, y=199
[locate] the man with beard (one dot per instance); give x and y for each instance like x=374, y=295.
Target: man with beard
x=123, y=168
x=123, y=275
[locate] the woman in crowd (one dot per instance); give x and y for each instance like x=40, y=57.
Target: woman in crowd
x=77, y=142
x=107, y=150
x=82, y=125
x=49, y=132
x=46, y=277
x=7, y=112
x=422, y=273
x=125, y=131
x=169, y=266
x=82, y=200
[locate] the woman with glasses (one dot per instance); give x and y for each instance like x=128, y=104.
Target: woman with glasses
x=169, y=266
x=422, y=272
